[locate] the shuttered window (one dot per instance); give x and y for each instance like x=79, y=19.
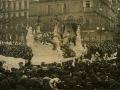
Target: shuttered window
x=87, y=4
x=19, y=5
x=25, y=4
x=87, y=22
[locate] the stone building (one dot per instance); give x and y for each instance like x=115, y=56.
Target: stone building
x=13, y=15
x=100, y=17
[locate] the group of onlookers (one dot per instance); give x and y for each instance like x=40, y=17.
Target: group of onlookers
x=16, y=51
x=74, y=74
x=110, y=48
x=101, y=70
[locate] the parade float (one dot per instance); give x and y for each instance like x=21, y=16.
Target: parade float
x=64, y=45
x=60, y=45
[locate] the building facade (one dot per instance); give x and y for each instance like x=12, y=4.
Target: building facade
x=13, y=15
x=100, y=17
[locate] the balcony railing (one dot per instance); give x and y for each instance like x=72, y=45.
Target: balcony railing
x=88, y=9
x=41, y=1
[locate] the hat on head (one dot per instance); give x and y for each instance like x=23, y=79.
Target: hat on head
x=1, y=78
x=24, y=77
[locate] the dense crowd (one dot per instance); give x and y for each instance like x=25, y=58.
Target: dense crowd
x=16, y=51
x=100, y=72
x=109, y=47
x=71, y=75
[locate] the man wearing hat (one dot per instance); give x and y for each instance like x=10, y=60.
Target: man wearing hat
x=21, y=65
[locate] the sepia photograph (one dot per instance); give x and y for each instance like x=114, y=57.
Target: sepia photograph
x=59, y=44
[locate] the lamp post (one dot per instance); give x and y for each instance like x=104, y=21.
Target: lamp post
x=100, y=30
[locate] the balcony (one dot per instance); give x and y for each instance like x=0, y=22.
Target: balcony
x=88, y=9
x=19, y=19
x=98, y=12
x=106, y=2
x=42, y=1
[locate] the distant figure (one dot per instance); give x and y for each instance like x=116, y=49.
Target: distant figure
x=21, y=65
x=106, y=57
x=85, y=50
x=27, y=63
x=118, y=52
x=115, y=53
x=38, y=33
x=29, y=36
x=97, y=55
x=93, y=58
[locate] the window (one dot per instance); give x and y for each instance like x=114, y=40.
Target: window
x=3, y=5
x=87, y=22
x=88, y=4
x=108, y=24
x=49, y=9
x=114, y=26
x=3, y=15
x=65, y=7
x=6, y=5
x=57, y=5
x=14, y=6
x=41, y=10
x=19, y=14
x=19, y=5
x=25, y=4
x=25, y=14
x=9, y=5
x=58, y=9
x=75, y=3
x=9, y=15
x=14, y=14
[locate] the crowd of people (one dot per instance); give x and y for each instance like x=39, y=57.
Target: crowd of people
x=16, y=51
x=107, y=47
x=71, y=75
x=101, y=70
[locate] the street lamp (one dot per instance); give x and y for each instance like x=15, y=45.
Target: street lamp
x=100, y=30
